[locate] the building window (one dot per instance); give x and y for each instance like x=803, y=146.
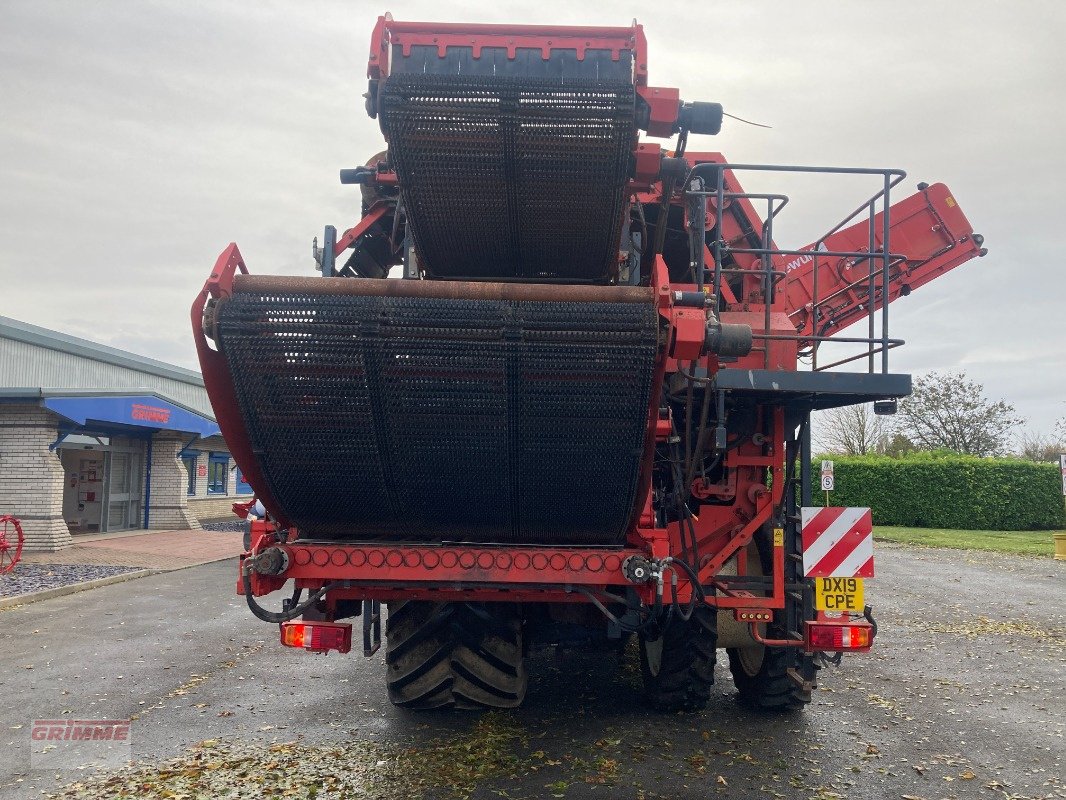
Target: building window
x=189, y=460
x=218, y=473
x=242, y=484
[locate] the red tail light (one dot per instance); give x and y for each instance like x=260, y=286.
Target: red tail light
x=318, y=637
x=831, y=637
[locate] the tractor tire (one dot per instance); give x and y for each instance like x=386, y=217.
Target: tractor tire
x=678, y=667
x=454, y=655
x=760, y=673
x=761, y=677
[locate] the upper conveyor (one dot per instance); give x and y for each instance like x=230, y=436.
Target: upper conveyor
x=513, y=145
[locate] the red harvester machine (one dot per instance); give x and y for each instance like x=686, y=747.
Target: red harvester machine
x=579, y=414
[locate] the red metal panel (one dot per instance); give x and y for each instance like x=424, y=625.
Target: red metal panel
x=583, y=566
x=928, y=228
x=458, y=573
x=689, y=332
x=660, y=283
x=546, y=38
x=351, y=236
x=219, y=381
x=663, y=106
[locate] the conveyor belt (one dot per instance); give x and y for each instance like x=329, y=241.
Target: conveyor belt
x=441, y=411
x=507, y=177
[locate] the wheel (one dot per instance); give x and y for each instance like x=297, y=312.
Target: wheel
x=678, y=667
x=454, y=655
x=11, y=541
x=760, y=673
x=761, y=677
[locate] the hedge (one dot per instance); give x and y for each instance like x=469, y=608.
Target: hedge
x=937, y=490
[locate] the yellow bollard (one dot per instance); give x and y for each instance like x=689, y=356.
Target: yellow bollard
x=1060, y=546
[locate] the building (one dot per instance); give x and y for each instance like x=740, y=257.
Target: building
x=95, y=439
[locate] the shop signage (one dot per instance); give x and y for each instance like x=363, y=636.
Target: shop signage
x=147, y=413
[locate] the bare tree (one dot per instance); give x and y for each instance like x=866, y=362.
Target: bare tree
x=851, y=430
x=1036, y=446
x=950, y=411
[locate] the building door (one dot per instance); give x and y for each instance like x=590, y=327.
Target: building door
x=124, y=492
x=84, y=473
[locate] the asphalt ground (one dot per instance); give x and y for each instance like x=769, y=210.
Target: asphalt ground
x=964, y=696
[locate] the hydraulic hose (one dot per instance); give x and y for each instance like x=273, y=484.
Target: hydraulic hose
x=284, y=616
x=607, y=612
x=868, y=615
x=653, y=619
x=685, y=615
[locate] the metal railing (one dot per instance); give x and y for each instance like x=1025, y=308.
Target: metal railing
x=710, y=184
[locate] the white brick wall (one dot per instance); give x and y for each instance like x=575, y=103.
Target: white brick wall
x=169, y=502
x=215, y=507
x=206, y=506
x=31, y=475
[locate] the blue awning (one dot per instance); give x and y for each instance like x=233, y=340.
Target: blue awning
x=141, y=411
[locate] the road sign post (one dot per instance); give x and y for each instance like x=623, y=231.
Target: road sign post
x=828, y=481
x=1060, y=538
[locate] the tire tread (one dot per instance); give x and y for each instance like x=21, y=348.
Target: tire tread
x=454, y=655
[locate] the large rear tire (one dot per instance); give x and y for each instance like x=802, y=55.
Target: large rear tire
x=761, y=677
x=761, y=673
x=454, y=655
x=678, y=667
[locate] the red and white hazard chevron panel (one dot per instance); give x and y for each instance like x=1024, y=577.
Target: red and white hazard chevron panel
x=837, y=542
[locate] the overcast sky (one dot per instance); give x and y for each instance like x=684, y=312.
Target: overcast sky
x=138, y=138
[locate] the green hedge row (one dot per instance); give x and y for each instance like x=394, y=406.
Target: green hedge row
x=937, y=490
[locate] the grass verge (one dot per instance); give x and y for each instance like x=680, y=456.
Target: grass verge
x=1026, y=543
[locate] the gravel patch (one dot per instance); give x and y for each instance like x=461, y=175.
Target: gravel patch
x=28, y=578
x=226, y=525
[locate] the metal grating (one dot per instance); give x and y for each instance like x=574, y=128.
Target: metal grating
x=431, y=420
x=506, y=177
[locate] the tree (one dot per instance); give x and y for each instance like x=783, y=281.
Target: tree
x=1035, y=446
x=897, y=445
x=851, y=431
x=949, y=411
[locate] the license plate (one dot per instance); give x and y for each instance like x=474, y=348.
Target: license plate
x=838, y=594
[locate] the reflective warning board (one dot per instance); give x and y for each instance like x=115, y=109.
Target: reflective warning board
x=837, y=542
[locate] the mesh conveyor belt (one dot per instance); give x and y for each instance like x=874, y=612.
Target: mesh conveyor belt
x=444, y=419
x=506, y=177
